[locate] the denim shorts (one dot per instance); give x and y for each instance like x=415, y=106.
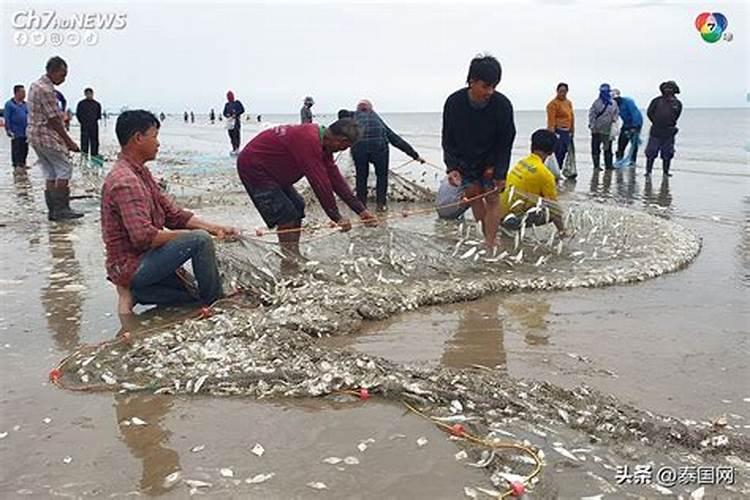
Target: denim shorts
x=474, y=178
x=277, y=205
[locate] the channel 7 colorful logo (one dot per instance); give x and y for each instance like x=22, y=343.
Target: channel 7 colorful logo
x=713, y=27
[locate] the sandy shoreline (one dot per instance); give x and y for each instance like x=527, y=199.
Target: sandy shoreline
x=676, y=345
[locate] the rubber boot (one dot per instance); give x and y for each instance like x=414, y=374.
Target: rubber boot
x=63, y=208
x=49, y=199
x=595, y=159
x=665, y=167
x=649, y=166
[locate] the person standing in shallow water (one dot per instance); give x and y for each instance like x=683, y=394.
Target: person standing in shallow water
x=603, y=114
x=88, y=114
x=664, y=111
x=147, y=237
x=233, y=110
x=305, y=114
x=561, y=121
x=373, y=147
x=16, y=120
x=212, y=116
x=477, y=138
x=48, y=136
x=632, y=121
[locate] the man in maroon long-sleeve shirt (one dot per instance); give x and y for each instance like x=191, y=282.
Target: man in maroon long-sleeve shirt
x=277, y=158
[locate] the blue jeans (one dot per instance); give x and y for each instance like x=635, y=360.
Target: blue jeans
x=561, y=146
x=156, y=281
x=362, y=159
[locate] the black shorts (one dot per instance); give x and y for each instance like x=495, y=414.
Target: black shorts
x=278, y=206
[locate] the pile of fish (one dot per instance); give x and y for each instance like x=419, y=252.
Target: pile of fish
x=246, y=352
x=266, y=347
x=375, y=273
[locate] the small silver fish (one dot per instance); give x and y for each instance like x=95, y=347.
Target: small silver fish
x=468, y=253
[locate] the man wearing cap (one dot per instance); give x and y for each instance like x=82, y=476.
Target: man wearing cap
x=305, y=113
x=632, y=121
x=373, y=147
x=664, y=111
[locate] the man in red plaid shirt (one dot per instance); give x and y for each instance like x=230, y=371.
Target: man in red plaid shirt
x=147, y=236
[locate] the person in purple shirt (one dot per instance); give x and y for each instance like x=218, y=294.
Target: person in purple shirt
x=275, y=159
x=16, y=119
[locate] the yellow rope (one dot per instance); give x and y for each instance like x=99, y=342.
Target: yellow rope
x=488, y=444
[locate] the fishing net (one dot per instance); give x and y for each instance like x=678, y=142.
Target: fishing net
x=264, y=345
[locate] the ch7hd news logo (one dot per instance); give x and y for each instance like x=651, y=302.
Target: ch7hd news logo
x=36, y=28
x=713, y=27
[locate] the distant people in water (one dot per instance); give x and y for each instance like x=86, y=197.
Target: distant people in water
x=88, y=114
x=603, y=114
x=630, y=132
x=664, y=111
x=561, y=121
x=477, y=138
x=16, y=121
x=259, y=118
x=212, y=116
x=162, y=116
x=185, y=116
x=192, y=117
x=305, y=113
x=233, y=110
x=373, y=147
x=530, y=193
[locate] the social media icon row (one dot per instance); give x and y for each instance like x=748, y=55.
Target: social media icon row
x=56, y=39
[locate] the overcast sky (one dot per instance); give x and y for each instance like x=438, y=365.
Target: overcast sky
x=173, y=56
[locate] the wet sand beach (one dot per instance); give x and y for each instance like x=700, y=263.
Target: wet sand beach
x=677, y=344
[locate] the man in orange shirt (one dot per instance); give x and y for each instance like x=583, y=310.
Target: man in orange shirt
x=561, y=121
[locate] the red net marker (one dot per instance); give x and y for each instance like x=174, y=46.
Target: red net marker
x=458, y=430
x=55, y=375
x=259, y=233
x=206, y=312
x=517, y=489
x=127, y=337
x=404, y=214
x=364, y=394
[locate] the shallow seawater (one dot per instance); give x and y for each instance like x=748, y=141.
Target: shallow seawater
x=676, y=344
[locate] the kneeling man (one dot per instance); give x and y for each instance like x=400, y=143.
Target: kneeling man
x=147, y=236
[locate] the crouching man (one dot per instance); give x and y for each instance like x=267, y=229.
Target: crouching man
x=146, y=235
x=530, y=193
x=278, y=158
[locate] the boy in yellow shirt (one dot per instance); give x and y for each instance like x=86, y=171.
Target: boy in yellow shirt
x=530, y=193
